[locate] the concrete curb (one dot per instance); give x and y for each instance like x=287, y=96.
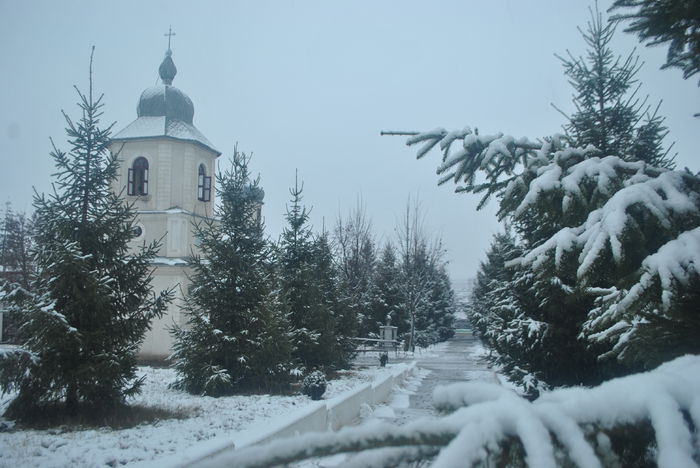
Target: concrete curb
x=320, y=417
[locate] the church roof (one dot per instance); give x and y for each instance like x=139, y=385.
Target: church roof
x=162, y=126
x=165, y=100
x=165, y=111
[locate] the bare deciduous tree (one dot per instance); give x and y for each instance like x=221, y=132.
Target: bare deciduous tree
x=419, y=256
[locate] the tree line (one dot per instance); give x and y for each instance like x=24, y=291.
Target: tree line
x=260, y=313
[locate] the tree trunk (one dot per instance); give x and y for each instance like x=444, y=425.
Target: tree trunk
x=72, y=399
x=411, y=343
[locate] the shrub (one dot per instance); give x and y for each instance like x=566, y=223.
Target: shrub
x=314, y=385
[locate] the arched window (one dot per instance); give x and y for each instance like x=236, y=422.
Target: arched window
x=203, y=184
x=138, y=177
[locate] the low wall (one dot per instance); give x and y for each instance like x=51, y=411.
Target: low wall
x=315, y=420
x=382, y=388
x=330, y=415
x=345, y=410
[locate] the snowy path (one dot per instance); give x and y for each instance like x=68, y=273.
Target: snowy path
x=458, y=360
x=461, y=361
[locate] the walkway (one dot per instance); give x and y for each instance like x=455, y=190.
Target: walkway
x=458, y=360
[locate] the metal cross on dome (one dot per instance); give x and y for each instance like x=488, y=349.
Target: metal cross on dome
x=170, y=34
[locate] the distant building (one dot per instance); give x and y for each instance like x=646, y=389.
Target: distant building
x=167, y=169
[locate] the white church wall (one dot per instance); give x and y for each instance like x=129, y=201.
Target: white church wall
x=162, y=174
x=175, y=230
x=158, y=342
x=172, y=174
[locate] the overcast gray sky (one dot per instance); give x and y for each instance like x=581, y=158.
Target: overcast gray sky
x=308, y=85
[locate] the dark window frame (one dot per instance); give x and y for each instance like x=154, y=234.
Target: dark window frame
x=137, y=184
x=203, y=184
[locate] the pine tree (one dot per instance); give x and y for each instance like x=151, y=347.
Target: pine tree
x=609, y=115
x=91, y=299
x=238, y=337
x=345, y=323
x=498, y=312
x=16, y=265
x=303, y=289
x=443, y=304
x=15, y=245
x=600, y=237
x=675, y=22
x=491, y=286
x=386, y=297
x=600, y=233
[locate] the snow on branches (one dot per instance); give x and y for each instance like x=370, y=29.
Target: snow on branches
x=664, y=200
x=616, y=229
x=561, y=427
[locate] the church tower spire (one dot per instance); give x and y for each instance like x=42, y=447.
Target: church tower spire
x=167, y=69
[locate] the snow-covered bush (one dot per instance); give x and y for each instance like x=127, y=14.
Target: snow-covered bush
x=486, y=423
x=314, y=385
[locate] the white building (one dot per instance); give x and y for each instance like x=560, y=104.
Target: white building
x=167, y=169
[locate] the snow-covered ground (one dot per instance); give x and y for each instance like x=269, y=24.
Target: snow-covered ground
x=208, y=419
x=475, y=416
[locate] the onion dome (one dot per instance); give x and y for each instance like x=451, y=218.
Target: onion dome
x=165, y=111
x=167, y=69
x=166, y=100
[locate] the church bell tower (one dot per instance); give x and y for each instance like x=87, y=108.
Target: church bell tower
x=167, y=172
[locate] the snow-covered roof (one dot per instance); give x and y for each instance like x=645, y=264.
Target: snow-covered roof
x=165, y=100
x=162, y=126
x=165, y=111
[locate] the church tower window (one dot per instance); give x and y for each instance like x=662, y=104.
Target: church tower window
x=138, y=177
x=203, y=184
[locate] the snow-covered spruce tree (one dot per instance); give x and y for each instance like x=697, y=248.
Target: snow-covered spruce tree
x=238, y=337
x=443, y=305
x=16, y=265
x=91, y=299
x=672, y=22
x=586, y=222
x=386, y=295
x=609, y=231
x=16, y=240
x=511, y=309
x=302, y=291
x=496, y=313
x=492, y=288
x=609, y=115
x=327, y=279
